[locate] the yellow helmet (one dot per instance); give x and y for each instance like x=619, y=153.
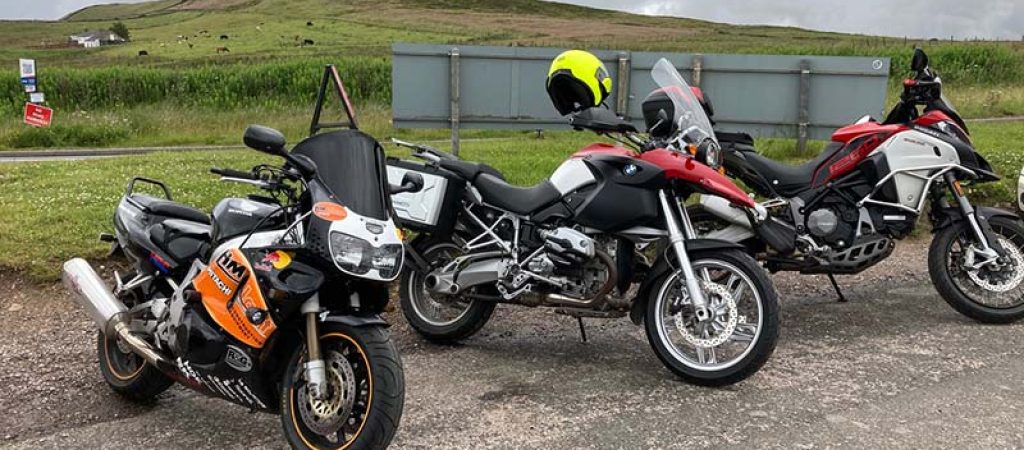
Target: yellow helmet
x=577, y=80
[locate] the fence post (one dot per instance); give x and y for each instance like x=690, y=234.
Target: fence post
x=453, y=58
x=803, y=109
x=622, y=94
x=698, y=67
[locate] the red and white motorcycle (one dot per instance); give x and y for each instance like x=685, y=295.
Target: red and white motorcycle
x=841, y=212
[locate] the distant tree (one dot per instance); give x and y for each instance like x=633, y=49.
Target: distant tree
x=120, y=29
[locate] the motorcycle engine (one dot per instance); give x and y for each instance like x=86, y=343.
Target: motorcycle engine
x=564, y=248
x=833, y=224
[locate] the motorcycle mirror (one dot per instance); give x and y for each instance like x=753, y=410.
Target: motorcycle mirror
x=920, y=60
x=264, y=139
x=411, y=182
x=663, y=127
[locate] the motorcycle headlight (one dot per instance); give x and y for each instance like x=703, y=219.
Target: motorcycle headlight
x=358, y=256
x=710, y=154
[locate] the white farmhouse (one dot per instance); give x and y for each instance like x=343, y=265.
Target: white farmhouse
x=92, y=39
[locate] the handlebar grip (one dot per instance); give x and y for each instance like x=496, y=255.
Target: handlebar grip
x=232, y=173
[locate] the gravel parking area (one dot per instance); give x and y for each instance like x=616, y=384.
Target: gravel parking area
x=893, y=367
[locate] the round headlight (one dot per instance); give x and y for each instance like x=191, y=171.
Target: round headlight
x=710, y=154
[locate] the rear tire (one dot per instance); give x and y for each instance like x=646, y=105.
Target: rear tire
x=750, y=358
x=944, y=277
x=374, y=409
x=128, y=374
x=415, y=302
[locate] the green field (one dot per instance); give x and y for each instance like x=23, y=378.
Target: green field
x=55, y=210
x=186, y=92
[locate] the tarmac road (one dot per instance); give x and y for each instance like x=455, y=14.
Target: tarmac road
x=895, y=367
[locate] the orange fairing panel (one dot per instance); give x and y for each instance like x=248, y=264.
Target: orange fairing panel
x=230, y=277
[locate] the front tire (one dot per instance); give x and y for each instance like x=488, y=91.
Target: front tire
x=983, y=295
x=748, y=328
x=366, y=392
x=440, y=320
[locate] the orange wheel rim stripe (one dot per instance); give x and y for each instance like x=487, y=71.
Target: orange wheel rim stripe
x=369, y=404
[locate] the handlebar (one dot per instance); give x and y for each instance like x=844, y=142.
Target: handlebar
x=231, y=173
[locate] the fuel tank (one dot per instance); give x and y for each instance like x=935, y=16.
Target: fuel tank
x=237, y=216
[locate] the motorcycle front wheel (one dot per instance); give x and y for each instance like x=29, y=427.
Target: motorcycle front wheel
x=993, y=293
x=738, y=337
x=365, y=392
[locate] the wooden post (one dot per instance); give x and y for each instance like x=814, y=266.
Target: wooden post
x=454, y=96
x=698, y=67
x=803, y=106
x=622, y=89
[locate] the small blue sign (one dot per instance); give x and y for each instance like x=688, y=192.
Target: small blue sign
x=25, y=81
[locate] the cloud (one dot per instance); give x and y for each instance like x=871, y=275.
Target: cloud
x=988, y=19
x=47, y=9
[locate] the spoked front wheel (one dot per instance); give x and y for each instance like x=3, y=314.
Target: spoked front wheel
x=365, y=392
x=991, y=292
x=739, y=335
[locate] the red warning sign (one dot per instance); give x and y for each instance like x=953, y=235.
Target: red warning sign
x=38, y=116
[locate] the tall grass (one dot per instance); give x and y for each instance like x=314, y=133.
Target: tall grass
x=368, y=80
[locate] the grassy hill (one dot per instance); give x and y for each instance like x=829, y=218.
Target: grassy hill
x=266, y=63
x=188, y=31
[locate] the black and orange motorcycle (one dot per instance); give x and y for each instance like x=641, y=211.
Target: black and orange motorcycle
x=272, y=303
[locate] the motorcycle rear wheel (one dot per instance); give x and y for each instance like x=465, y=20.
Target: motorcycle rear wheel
x=366, y=392
x=128, y=374
x=958, y=288
x=756, y=322
x=439, y=321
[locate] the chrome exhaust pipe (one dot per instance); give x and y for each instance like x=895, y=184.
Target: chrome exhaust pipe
x=109, y=313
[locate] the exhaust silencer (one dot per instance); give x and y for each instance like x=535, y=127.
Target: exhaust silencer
x=109, y=313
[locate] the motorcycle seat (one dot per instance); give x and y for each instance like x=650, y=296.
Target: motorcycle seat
x=519, y=200
x=171, y=209
x=468, y=169
x=789, y=180
x=182, y=240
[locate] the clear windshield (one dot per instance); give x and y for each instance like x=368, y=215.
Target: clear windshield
x=689, y=115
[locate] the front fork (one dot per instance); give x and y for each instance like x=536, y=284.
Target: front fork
x=677, y=236
x=314, y=368
x=988, y=249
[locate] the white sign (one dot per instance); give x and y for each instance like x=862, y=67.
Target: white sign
x=28, y=68
x=36, y=97
x=30, y=88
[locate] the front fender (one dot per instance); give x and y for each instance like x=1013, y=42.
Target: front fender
x=946, y=217
x=683, y=167
x=663, y=266
x=355, y=321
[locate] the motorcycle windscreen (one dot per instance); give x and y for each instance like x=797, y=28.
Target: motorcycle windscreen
x=688, y=111
x=350, y=164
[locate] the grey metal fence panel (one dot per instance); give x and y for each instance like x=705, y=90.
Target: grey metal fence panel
x=503, y=87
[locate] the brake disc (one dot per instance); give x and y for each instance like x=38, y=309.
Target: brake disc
x=1008, y=281
x=326, y=416
x=730, y=325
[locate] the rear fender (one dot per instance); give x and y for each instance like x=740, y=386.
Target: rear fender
x=663, y=266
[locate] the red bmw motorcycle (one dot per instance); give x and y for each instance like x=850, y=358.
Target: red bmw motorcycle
x=603, y=237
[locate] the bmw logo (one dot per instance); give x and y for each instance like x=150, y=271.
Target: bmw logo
x=630, y=170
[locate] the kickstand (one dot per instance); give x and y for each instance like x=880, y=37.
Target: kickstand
x=583, y=331
x=839, y=292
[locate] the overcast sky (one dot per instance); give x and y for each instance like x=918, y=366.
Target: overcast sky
x=989, y=19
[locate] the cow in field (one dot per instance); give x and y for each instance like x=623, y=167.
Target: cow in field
x=223, y=50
